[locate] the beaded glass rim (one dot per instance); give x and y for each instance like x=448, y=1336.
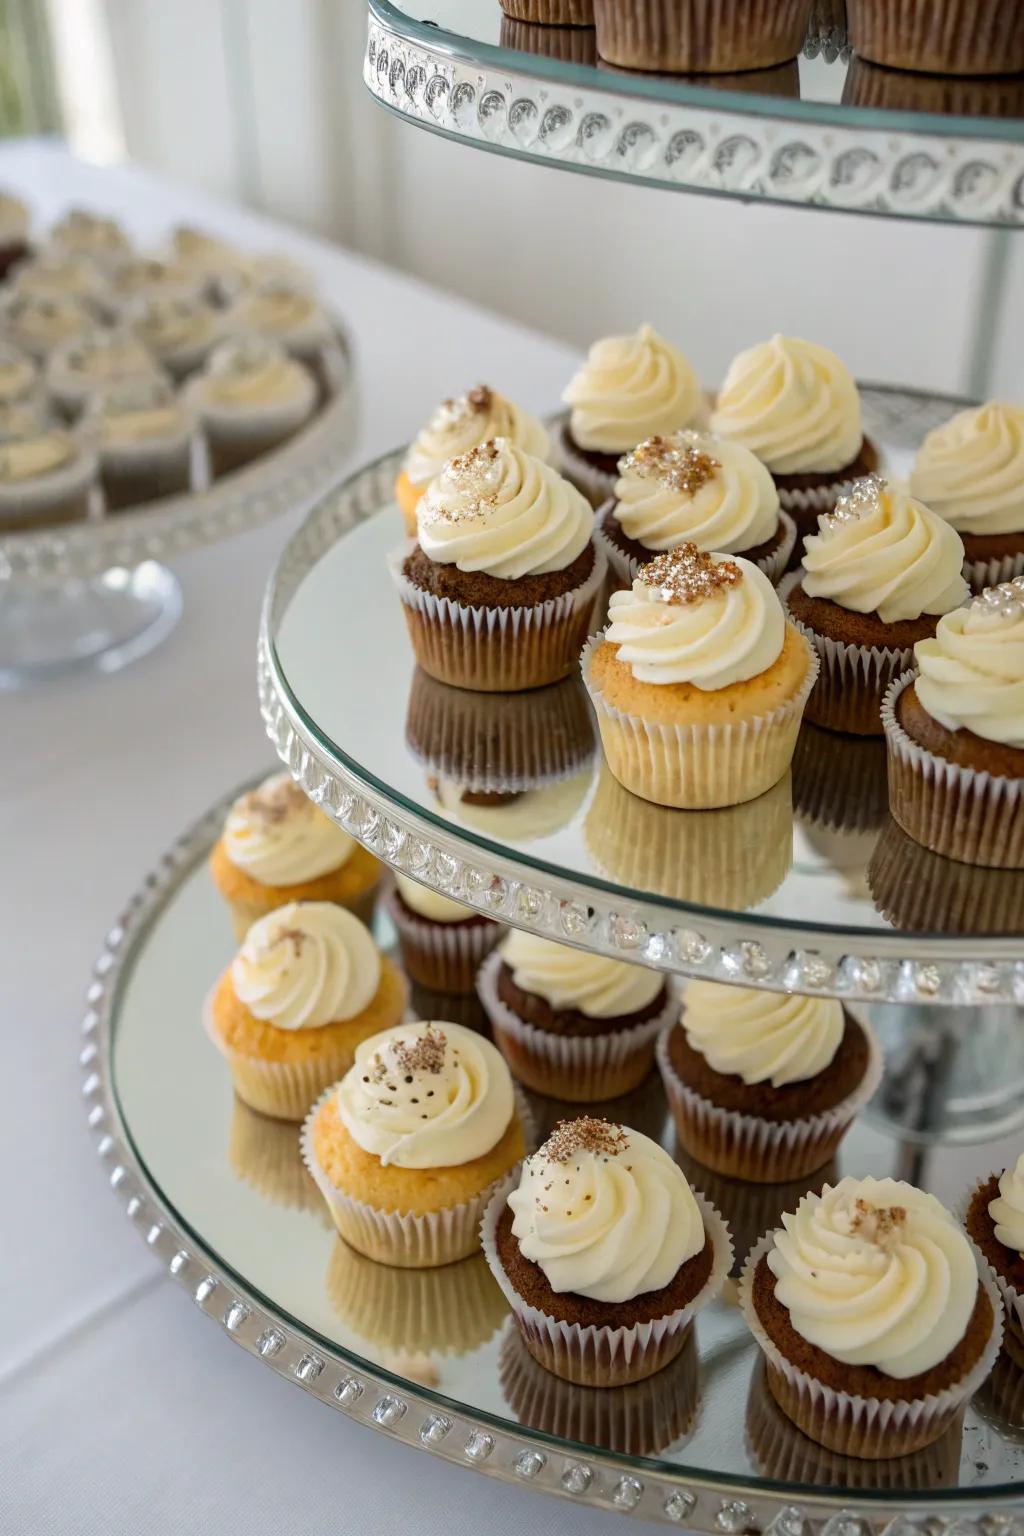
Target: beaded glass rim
x=411, y=1414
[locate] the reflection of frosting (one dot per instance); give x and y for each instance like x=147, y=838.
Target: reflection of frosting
x=429, y=1095
x=305, y=965
x=875, y=1272
x=431, y=904
x=520, y=817
x=499, y=510
x=568, y=978
x=32, y=457
x=605, y=1212
x=1007, y=1210
x=278, y=836
x=629, y=388
x=792, y=403
x=882, y=552
x=462, y=424
x=691, y=487
x=972, y=672
x=762, y=1037
x=971, y=471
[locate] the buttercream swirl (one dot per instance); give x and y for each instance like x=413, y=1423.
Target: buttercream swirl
x=427, y=1095
x=692, y=487
x=59, y=275
x=500, y=510
x=629, y=388
x=971, y=675
x=90, y=234
x=247, y=371
x=97, y=357
x=173, y=324
x=792, y=403
x=883, y=552
x=570, y=978
x=30, y=458
x=877, y=1273
x=278, y=836
x=459, y=425
x=281, y=310
x=605, y=1212
x=734, y=634
x=305, y=965
x=971, y=470
x=38, y=323
x=762, y=1037
x=430, y=904
x=1007, y=1209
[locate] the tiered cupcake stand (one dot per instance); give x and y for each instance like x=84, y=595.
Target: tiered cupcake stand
x=813, y=889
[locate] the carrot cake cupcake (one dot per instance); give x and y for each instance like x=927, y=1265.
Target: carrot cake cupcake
x=573, y=1025
x=306, y=987
x=698, y=681
x=765, y=1085
x=874, y=1315
x=144, y=434
x=407, y=1149
x=278, y=847
x=995, y=1223
x=604, y=1253
x=456, y=427
x=45, y=478
x=971, y=472
x=442, y=941
x=251, y=397
x=877, y=575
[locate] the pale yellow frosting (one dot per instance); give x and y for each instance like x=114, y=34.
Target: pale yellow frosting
x=629, y=388
x=762, y=1037
x=279, y=309
x=89, y=233
x=59, y=275
x=735, y=507
x=171, y=323
x=793, y=404
x=32, y=457
x=431, y=904
x=278, y=836
x=305, y=965
x=568, y=978
x=971, y=471
x=459, y=425
x=247, y=372
x=37, y=323
x=971, y=675
x=1007, y=1210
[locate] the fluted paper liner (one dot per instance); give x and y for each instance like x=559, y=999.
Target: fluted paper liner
x=626, y=568
x=812, y=500
x=749, y=1147
x=444, y=957
x=866, y=1427
x=916, y=889
x=700, y=36
x=414, y=1311
x=581, y=1069
x=853, y=678
x=553, y=13
x=973, y=817
x=980, y=574
x=605, y=1356
x=956, y=37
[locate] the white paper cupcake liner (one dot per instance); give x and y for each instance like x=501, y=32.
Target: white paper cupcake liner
x=866, y=1427
x=698, y=767
x=625, y=568
x=1013, y=1301
x=605, y=1356
x=497, y=650
x=579, y=1069
x=400, y=1238
x=972, y=817
x=852, y=680
x=980, y=574
x=444, y=957
x=813, y=499
x=751, y=1148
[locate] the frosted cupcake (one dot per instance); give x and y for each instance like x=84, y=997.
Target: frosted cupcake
x=442, y=941
x=45, y=478
x=457, y=427
x=39, y=325
x=24, y=418
x=407, y=1149
x=151, y=277
x=698, y=681
x=216, y=262
x=629, y=388
x=874, y=1316
x=144, y=434
x=278, y=847
x=971, y=472
x=289, y=315
x=499, y=591
x=691, y=488
x=604, y=1254
x=14, y=227
x=877, y=575
x=180, y=332
x=306, y=988
x=85, y=233
x=250, y=398
x=764, y=1085
x=995, y=1223
x=87, y=364
x=573, y=1025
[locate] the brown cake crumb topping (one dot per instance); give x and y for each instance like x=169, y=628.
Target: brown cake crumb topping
x=451, y=414
x=689, y=575
x=587, y=1134
x=296, y=937
x=881, y=1225
x=862, y=497
x=425, y=1054
x=675, y=462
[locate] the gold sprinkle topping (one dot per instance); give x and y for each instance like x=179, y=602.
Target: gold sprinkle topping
x=863, y=496
x=588, y=1134
x=453, y=414
x=475, y=477
x=676, y=462
x=689, y=575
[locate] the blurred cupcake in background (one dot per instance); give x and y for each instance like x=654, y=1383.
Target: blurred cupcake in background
x=83, y=232
x=700, y=36
x=61, y=275
x=14, y=232
x=442, y=942
x=153, y=277
x=86, y=364
x=290, y=315
x=19, y=374
x=38, y=326
x=180, y=331
x=144, y=434
x=46, y=477
x=250, y=398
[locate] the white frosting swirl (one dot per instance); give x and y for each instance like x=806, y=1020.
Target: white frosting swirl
x=89, y=233
x=877, y=1273
x=971, y=675
x=629, y=388
x=430, y=904
x=610, y=1226
x=712, y=643
x=762, y=1037
x=1007, y=1210
x=278, y=836
x=735, y=507
x=499, y=510
x=474, y=418
x=429, y=1095
x=888, y=554
x=792, y=403
x=305, y=965
x=971, y=470
x=571, y=979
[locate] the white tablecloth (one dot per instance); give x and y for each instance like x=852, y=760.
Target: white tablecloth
x=121, y=1409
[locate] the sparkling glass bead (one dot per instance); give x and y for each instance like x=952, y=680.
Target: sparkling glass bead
x=388, y=1412
x=105, y=1146
x=573, y=920
x=178, y=1262
x=118, y=1176
x=237, y=1313
x=91, y=1086
x=627, y=932
x=348, y=1391
x=734, y=1516
x=434, y=1429
x=528, y=1463
x=270, y=1343
x=529, y=903
x=846, y=1523
x=446, y=870
x=478, y=1447
x=627, y=1493
x=205, y=1289
x=692, y=947
x=87, y=1055
x=788, y=1522
x=133, y=1208
x=95, y=1116
x=577, y=1478
x=679, y=1506
x=309, y=1368
x=155, y=1233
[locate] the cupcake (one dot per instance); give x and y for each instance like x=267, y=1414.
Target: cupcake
x=19, y=376
x=573, y=45
x=76, y=370
x=409, y=1147
x=955, y=734
x=39, y=325
x=179, y=331
x=152, y=277
x=971, y=472
x=577, y=1026
x=442, y=942
x=995, y=1224
x=216, y=263
x=61, y=275
x=796, y=406
x=839, y=782
x=628, y=389
x=604, y=1254
x=874, y=1316
x=876, y=578
x=925, y=893
x=84, y=233
x=27, y=417
x=14, y=226
x=250, y=398
x=683, y=36
x=449, y=1310
x=144, y=435
x=941, y=37
x=499, y=591
x=457, y=427
x=552, y=13
x=764, y=1085
x=265, y=1154
x=306, y=987
x=289, y=315
x=698, y=682
x=690, y=488
x=45, y=478
x=278, y=847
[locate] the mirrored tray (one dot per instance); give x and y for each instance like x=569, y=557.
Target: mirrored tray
x=503, y=801
x=221, y=1198
x=828, y=133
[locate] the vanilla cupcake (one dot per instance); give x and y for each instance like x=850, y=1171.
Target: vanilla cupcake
x=628, y=389
x=45, y=478
x=144, y=434
x=408, y=1148
x=306, y=988
x=80, y=367
x=278, y=847
x=442, y=941
x=38, y=325
x=971, y=472
x=251, y=397
x=217, y=264
x=180, y=331
x=24, y=418
x=84, y=233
